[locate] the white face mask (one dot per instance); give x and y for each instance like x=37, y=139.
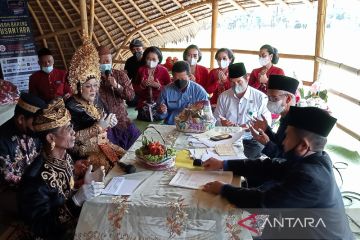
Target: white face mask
x=264, y=61
x=224, y=63
x=47, y=69
x=152, y=64
x=276, y=107
x=238, y=89
x=192, y=61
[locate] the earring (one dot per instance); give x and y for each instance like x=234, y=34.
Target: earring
x=52, y=146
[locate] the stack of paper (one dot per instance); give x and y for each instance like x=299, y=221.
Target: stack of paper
x=197, y=179
x=120, y=186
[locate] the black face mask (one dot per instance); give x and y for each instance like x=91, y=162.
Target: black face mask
x=138, y=55
x=180, y=83
x=291, y=154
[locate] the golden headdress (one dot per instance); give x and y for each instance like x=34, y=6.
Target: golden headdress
x=54, y=116
x=84, y=65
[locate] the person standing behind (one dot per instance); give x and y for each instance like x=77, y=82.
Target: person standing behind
x=259, y=77
x=199, y=74
x=132, y=65
x=49, y=82
x=219, y=78
x=151, y=79
x=115, y=88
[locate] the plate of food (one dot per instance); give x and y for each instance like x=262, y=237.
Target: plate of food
x=155, y=156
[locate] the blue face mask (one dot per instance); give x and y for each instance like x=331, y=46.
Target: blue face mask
x=47, y=69
x=104, y=67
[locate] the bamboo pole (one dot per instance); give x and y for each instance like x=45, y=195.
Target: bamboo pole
x=320, y=31
x=92, y=14
x=52, y=29
x=83, y=17
x=214, y=19
x=111, y=16
x=72, y=22
x=338, y=65
x=68, y=17
x=37, y=24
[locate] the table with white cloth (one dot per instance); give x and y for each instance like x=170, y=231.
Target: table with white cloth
x=156, y=210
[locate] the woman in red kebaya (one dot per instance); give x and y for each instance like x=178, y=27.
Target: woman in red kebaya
x=199, y=74
x=151, y=79
x=219, y=77
x=268, y=56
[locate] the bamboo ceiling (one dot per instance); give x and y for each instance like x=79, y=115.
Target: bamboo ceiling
x=57, y=23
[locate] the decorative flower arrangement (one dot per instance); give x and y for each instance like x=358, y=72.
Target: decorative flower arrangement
x=315, y=97
x=169, y=63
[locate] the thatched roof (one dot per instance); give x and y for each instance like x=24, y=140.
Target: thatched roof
x=57, y=24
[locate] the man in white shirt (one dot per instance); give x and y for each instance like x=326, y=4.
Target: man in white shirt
x=237, y=105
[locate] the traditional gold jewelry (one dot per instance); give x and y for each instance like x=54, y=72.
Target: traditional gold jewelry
x=52, y=146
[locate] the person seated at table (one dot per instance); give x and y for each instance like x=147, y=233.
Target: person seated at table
x=199, y=74
x=219, y=77
x=115, y=89
x=304, y=178
x=132, y=65
x=89, y=120
x=238, y=105
x=48, y=202
x=150, y=80
x=179, y=94
x=48, y=83
x=281, y=93
x=259, y=77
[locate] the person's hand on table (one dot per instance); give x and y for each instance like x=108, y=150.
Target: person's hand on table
x=213, y=164
x=213, y=187
x=258, y=123
x=261, y=137
x=162, y=108
x=227, y=123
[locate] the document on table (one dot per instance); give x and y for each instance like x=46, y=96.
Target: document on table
x=197, y=179
x=206, y=153
x=121, y=186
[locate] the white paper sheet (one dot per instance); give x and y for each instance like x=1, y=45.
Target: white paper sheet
x=121, y=186
x=197, y=179
x=206, y=153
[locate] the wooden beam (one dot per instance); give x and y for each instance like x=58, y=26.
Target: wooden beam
x=338, y=65
x=145, y=38
x=214, y=19
x=236, y=5
x=111, y=16
x=170, y=15
x=178, y=4
x=59, y=32
x=261, y=4
x=164, y=14
x=37, y=24
x=320, y=32
x=191, y=17
x=62, y=23
x=344, y=96
x=83, y=17
x=52, y=29
x=92, y=14
x=348, y=131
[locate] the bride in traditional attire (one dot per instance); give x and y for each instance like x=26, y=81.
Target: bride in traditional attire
x=90, y=120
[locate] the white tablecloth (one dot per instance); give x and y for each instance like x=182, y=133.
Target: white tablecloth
x=159, y=211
